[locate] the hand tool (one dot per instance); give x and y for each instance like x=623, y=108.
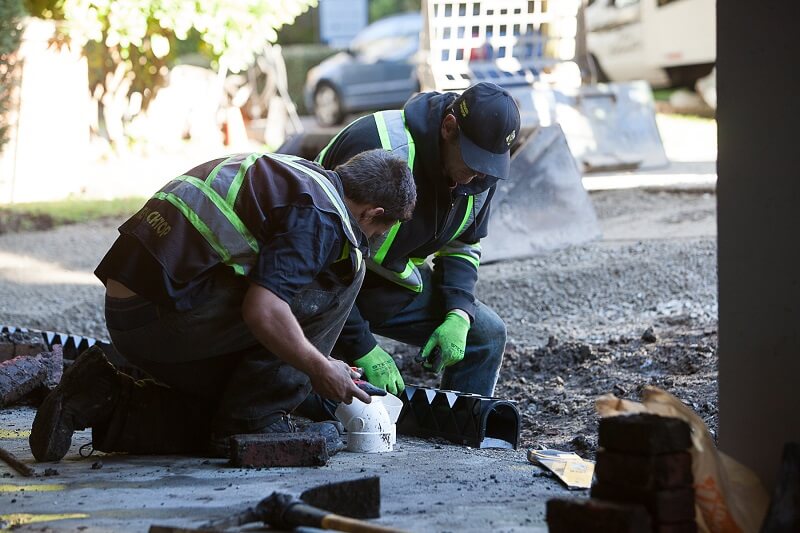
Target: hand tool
x=434, y=360
x=284, y=511
x=11, y=460
x=365, y=385
x=369, y=388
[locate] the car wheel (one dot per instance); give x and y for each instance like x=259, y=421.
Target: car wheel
x=328, y=106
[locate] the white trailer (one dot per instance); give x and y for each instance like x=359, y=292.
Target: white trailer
x=664, y=42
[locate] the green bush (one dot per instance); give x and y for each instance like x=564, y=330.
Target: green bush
x=11, y=13
x=299, y=58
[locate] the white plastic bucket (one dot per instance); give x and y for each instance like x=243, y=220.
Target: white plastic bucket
x=370, y=427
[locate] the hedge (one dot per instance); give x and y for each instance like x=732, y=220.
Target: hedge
x=299, y=58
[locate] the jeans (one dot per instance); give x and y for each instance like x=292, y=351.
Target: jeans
x=478, y=371
x=213, y=376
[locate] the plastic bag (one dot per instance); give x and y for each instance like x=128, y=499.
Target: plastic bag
x=729, y=497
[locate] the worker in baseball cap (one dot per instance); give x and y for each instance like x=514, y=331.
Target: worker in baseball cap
x=488, y=120
x=457, y=146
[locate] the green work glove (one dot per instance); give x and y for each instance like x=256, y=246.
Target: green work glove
x=381, y=370
x=447, y=343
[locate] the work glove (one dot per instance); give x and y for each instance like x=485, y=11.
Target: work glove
x=447, y=343
x=381, y=370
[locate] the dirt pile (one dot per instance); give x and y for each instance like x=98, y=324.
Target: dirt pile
x=609, y=316
x=555, y=385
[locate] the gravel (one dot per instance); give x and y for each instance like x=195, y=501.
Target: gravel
x=601, y=290
x=588, y=293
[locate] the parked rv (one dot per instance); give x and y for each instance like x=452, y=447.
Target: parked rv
x=668, y=43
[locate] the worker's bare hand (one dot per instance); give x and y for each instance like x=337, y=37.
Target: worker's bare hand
x=334, y=380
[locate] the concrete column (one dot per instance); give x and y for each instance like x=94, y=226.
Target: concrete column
x=759, y=231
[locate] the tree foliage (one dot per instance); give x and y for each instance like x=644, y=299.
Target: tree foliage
x=11, y=13
x=233, y=30
x=131, y=44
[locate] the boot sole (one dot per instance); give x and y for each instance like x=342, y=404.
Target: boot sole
x=54, y=444
x=50, y=437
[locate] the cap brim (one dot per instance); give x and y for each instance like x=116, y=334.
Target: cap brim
x=484, y=161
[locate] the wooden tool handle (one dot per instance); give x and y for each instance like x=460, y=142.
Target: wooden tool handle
x=21, y=468
x=351, y=525
x=301, y=514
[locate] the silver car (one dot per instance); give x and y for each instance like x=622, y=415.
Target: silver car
x=377, y=71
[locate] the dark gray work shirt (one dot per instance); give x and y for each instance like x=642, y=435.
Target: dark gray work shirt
x=303, y=244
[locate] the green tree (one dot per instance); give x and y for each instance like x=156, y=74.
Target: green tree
x=131, y=45
x=11, y=13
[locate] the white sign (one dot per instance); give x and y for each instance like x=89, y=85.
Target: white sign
x=340, y=20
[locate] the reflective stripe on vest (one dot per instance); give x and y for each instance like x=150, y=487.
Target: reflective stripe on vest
x=327, y=186
x=467, y=252
x=202, y=202
x=396, y=138
x=455, y=248
x=335, y=199
x=321, y=156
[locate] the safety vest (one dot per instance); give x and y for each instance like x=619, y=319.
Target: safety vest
x=395, y=136
x=209, y=205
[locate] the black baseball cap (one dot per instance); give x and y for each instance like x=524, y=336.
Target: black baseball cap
x=489, y=121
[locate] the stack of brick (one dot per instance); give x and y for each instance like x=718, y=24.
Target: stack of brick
x=643, y=480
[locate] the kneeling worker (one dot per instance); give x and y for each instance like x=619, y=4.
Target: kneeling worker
x=458, y=147
x=229, y=287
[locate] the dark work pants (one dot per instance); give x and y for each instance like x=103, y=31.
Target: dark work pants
x=212, y=376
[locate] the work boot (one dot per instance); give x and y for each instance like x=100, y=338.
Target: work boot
x=84, y=397
x=317, y=408
x=332, y=430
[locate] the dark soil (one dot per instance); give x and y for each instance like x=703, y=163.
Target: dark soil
x=555, y=386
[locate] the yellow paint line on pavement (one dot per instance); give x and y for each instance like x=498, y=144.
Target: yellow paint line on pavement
x=21, y=519
x=32, y=488
x=15, y=433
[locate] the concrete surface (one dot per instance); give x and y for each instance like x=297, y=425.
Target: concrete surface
x=425, y=486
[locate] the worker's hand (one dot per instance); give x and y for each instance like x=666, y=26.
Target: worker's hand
x=333, y=379
x=451, y=340
x=381, y=370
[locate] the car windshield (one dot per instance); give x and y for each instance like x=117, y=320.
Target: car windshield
x=392, y=38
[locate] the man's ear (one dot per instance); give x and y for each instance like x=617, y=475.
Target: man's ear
x=449, y=127
x=372, y=212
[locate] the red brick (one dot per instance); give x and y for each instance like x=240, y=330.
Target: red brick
x=278, y=449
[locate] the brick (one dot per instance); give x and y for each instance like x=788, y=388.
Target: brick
x=646, y=472
x=664, y=506
x=20, y=343
x=644, y=434
x=569, y=516
x=278, y=449
x=19, y=376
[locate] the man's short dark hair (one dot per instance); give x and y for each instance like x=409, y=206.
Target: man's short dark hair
x=377, y=177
